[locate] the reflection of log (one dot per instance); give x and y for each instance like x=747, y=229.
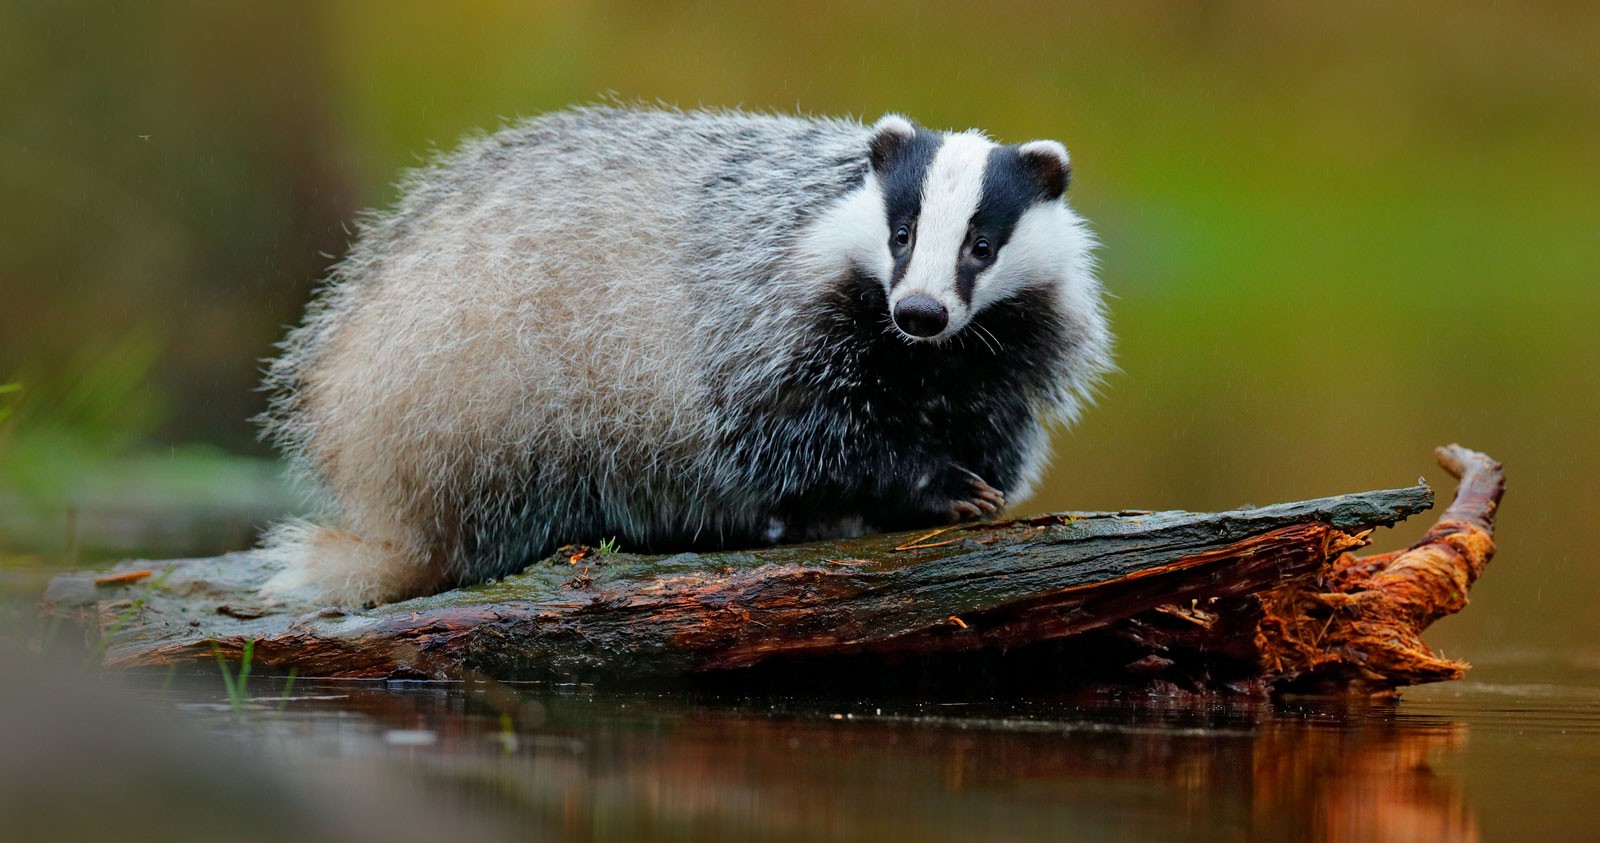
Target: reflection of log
x=1202, y=601
x=825, y=768
x=1371, y=779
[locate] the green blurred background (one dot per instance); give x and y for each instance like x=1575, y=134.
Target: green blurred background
x=1338, y=234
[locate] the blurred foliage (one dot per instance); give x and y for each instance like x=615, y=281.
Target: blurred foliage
x=63, y=428
x=80, y=482
x=1339, y=234
x=173, y=176
x=6, y=410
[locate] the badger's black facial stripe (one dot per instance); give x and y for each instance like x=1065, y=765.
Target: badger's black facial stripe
x=902, y=192
x=1010, y=187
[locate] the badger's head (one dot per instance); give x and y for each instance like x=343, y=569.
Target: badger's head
x=950, y=224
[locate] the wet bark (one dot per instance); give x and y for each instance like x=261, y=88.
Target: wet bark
x=1251, y=600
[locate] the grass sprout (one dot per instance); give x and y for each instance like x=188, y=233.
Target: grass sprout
x=235, y=684
x=288, y=688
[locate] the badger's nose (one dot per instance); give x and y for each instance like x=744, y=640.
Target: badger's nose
x=920, y=316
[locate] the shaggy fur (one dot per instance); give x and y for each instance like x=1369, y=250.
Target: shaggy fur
x=675, y=328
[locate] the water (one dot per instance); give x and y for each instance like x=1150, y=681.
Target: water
x=1512, y=754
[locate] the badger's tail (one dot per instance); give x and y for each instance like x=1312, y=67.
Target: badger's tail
x=319, y=565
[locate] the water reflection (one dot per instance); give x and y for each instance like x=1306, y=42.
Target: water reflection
x=601, y=767
x=1372, y=782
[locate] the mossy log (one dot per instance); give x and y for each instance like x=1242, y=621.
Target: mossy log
x=1251, y=600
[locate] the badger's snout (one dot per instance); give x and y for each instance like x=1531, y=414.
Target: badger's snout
x=920, y=316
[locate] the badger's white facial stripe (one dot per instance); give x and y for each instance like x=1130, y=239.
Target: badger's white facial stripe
x=951, y=191
x=1048, y=246
x=850, y=233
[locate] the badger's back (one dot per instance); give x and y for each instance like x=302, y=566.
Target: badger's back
x=522, y=344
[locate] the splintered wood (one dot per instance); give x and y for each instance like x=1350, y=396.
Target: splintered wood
x=1358, y=626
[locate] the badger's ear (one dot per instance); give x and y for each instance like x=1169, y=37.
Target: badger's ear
x=1049, y=164
x=889, y=136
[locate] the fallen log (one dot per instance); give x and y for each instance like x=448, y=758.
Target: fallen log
x=1251, y=600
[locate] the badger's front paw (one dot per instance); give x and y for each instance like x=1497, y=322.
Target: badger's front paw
x=981, y=499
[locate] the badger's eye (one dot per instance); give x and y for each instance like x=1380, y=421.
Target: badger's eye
x=981, y=249
x=902, y=236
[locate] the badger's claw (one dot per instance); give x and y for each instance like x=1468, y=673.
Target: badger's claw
x=985, y=500
x=964, y=511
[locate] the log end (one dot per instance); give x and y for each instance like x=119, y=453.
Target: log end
x=1358, y=627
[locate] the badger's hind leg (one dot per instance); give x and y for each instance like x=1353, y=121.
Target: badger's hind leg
x=320, y=565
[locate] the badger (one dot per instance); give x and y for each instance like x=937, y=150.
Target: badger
x=681, y=330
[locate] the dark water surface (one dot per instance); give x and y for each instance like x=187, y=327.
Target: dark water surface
x=1511, y=754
